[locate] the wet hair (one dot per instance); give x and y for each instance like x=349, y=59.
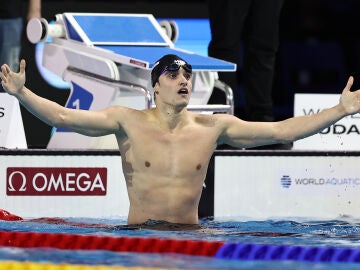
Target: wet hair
x=163, y=63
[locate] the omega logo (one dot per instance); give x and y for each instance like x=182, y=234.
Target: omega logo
x=10, y=181
x=56, y=181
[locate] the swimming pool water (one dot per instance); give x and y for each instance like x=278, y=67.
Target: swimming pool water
x=335, y=233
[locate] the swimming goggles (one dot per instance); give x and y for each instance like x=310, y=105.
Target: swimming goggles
x=176, y=66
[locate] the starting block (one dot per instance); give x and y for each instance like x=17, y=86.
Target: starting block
x=107, y=60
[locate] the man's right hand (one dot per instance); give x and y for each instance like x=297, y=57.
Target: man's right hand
x=12, y=82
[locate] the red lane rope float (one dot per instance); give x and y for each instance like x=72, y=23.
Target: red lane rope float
x=5, y=215
x=117, y=244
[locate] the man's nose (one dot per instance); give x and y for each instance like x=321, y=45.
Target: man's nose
x=184, y=82
x=183, y=79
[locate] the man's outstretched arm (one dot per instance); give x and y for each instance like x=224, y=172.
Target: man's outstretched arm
x=248, y=134
x=85, y=122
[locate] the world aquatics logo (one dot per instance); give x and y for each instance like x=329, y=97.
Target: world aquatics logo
x=285, y=181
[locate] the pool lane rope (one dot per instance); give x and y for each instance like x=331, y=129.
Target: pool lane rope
x=116, y=244
x=220, y=250
x=236, y=251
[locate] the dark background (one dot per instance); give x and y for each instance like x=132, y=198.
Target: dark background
x=319, y=48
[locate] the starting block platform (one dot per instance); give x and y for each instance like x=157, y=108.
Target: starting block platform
x=107, y=60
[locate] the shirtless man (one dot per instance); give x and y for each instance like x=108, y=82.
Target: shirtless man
x=166, y=150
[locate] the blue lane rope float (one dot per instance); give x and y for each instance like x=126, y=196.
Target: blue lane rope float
x=236, y=251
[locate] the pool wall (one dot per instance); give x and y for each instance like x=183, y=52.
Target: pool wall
x=251, y=184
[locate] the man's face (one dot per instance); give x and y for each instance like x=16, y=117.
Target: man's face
x=174, y=87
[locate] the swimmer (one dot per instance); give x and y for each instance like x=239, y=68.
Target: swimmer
x=166, y=150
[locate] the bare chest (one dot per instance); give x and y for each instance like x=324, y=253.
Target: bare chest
x=171, y=154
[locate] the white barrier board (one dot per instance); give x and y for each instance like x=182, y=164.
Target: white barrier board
x=264, y=187
x=320, y=186
x=36, y=186
x=343, y=135
x=12, y=134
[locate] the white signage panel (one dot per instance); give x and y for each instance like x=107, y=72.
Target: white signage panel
x=12, y=134
x=90, y=186
x=265, y=187
x=343, y=135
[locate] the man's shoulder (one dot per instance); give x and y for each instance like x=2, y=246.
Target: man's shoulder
x=119, y=108
x=215, y=116
x=214, y=120
x=123, y=114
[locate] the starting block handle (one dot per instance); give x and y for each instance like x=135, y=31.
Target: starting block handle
x=38, y=30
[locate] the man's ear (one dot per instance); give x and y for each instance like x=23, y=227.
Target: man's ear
x=156, y=87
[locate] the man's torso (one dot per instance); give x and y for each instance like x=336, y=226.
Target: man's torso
x=165, y=169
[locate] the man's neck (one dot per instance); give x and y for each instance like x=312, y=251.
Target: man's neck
x=171, y=117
